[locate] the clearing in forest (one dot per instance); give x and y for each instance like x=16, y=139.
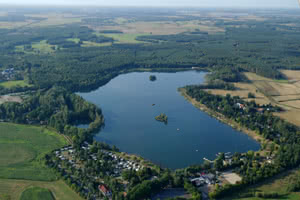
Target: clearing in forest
x=10, y=98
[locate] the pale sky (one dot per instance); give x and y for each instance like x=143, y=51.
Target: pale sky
x=186, y=3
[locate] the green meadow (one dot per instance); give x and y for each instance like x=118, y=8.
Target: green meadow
x=10, y=84
x=22, y=148
x=37, y=193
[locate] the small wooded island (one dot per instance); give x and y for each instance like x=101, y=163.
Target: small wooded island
x=152, y=78
x=162, y=118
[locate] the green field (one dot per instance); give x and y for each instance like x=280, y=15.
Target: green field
x=22, y=147
x=36, y=193
x=75, y=40
x=43, y=47
x=37, y=47
x=10, y=84
x=11, y=189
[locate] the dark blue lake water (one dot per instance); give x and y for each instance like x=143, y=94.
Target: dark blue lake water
x=126, y=102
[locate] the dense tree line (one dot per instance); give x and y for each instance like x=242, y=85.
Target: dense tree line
x=147, y=188
x=15, y=89
x=217, y=84
x=226, y=74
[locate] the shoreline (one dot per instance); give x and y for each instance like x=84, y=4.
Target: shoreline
x=220, y=117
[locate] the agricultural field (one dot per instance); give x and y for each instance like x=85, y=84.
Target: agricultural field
x=11, y=189
x=124, y=38
x=53, y=19
x=22, y=148
x=283, y=93
x=95, y=44
x=242, y=91
x=10, y=84
x=40, y=20
x=164, y=28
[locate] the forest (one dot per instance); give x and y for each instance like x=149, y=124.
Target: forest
x=260, y=47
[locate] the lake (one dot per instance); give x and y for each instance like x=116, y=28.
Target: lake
x=190, y=135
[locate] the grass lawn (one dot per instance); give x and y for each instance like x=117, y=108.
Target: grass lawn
x=21, y=148
x=13, y=189
x=10, y=84
x=37, y=193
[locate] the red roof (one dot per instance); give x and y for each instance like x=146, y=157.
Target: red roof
x=103, y=188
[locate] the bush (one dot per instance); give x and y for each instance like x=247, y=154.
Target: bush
x=251, y=95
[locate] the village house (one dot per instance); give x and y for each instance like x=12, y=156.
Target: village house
x=8, y=73
x=241, y=106
x=104, y=190
x=204, y=179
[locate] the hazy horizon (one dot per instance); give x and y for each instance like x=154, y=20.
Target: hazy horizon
x=163, y=3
